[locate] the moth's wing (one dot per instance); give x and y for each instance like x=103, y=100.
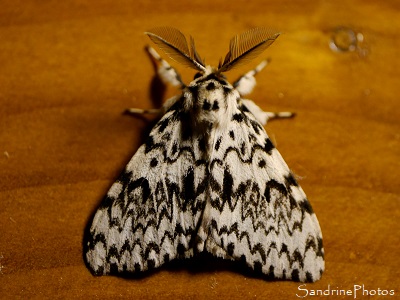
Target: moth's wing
x=257, y=212
x=151, y=212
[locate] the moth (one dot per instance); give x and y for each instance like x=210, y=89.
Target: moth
x=208, y=178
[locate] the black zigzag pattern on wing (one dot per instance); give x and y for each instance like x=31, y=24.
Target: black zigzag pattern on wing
x=150, y=218
x=252, y=199
x=152, y=213
x=137, y=199
x=296, y=256
x=271, y=225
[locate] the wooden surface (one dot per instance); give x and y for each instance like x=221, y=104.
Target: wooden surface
x=68, y=69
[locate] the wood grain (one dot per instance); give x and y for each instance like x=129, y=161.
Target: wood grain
x=69, y=69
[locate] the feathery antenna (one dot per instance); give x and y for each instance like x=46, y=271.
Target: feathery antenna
x=175, y=45
x=247, y=46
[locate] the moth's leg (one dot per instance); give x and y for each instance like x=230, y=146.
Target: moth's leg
x=280, y=115
x=264, y=116
x=245, y=83
x=144, y=111
x=160, y=111
x=167, y=73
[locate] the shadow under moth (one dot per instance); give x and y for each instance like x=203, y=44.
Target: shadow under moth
x=207, y=178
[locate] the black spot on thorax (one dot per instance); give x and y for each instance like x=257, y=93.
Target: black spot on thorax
x=227, y=90
x=206, y=105
x=238, y=117
x=210, y=86
x=215, y=105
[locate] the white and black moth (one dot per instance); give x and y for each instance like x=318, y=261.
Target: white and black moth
x=208, y=178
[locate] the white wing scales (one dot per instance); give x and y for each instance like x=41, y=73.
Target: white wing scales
x=257, y=211
x=151, y=212
x=209, y=179
x=242, y=203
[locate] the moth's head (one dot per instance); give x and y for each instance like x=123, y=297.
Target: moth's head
x=242, y=49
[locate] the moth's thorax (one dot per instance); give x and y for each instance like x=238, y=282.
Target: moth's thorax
x=211, y=99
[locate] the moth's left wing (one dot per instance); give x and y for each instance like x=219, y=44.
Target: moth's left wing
x=151, y=213
x=257, y=212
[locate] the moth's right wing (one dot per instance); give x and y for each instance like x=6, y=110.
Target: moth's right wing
x=257, y=212
x=151, y=213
